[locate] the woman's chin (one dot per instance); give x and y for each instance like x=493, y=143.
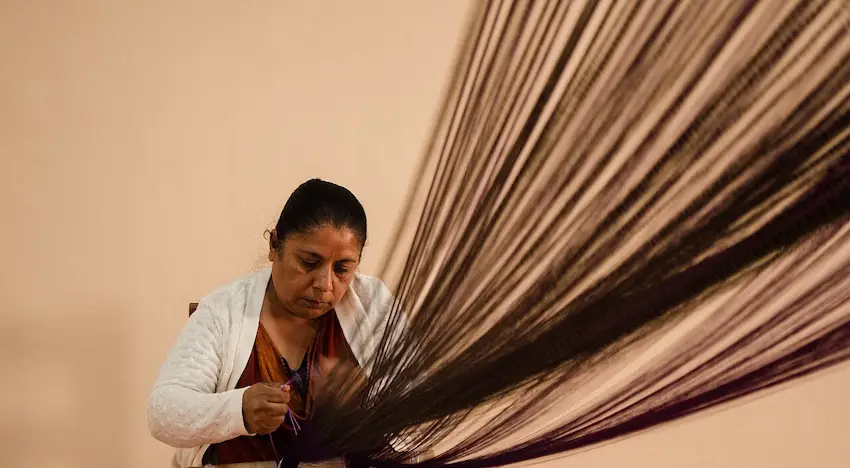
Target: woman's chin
x=310, y=312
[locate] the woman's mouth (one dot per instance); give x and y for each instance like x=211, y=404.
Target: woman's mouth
x=316, y=305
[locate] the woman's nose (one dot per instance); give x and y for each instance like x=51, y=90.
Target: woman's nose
x=323, y=280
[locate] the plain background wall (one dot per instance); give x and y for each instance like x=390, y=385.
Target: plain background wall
x=145, y=147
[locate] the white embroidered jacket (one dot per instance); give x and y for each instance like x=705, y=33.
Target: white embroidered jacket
x=194, y=402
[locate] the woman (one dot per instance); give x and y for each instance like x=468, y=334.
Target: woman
x=246, y=367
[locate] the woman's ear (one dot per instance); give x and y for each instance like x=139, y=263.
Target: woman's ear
x=273, y=245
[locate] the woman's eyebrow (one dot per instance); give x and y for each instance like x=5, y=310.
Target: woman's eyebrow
x=310, y=253
x=317, y=256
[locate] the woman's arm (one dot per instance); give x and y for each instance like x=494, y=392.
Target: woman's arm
x=183, y=409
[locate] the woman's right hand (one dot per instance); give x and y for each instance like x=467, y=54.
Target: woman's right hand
x=264, y=407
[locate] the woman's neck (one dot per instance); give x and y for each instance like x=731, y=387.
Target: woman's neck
x=291, y=335
x=282, y=316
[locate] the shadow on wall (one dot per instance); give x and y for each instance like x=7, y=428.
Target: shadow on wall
x=66, y=386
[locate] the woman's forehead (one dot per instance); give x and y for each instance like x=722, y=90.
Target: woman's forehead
x=327, y=242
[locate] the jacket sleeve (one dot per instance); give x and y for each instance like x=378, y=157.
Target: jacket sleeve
x=184, y=409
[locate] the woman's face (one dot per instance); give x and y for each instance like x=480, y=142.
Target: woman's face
x=312, y=271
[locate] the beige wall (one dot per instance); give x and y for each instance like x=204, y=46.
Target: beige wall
x=144, y=148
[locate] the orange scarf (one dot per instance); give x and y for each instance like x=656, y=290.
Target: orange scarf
x=329, y=342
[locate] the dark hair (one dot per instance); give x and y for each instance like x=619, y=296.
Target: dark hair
x=315, y=204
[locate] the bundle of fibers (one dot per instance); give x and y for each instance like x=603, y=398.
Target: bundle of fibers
x=633, y=211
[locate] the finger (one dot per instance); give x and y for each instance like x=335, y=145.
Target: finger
x=263, y=429
x=277, y=421
x=273, y=388
x=270, y=424
x=277, y=394
x=276, y=397
x=268, y=429
x=275, y=409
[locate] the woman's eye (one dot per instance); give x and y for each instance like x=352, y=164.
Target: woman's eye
x=309, y=264
x=341, y=270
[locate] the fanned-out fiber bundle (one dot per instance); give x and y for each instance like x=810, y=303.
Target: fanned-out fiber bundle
x=631, y=211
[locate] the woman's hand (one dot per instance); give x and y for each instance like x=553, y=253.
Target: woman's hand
x=264, y=407
x=348, y=379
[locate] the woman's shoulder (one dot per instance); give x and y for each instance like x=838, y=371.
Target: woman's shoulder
x=372, y=292
x=236, y=295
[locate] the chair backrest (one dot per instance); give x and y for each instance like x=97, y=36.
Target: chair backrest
x=192, y=307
